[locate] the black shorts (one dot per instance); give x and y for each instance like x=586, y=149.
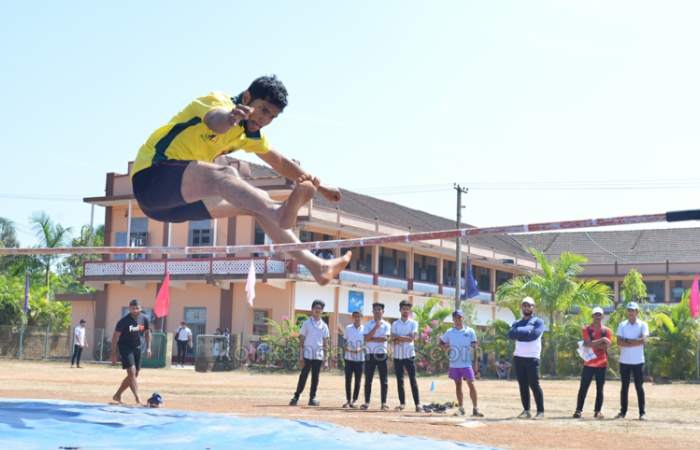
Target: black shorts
x=158, y=192
x=131, y=357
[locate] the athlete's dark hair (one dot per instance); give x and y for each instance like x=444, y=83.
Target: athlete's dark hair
x=405, y=303
x=318, y=303
x=378, y=305
x=270, y=88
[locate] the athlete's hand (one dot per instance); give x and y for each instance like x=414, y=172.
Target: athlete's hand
x=148, y=353
x=301, y=363
x=114, y=360
x=240, y=112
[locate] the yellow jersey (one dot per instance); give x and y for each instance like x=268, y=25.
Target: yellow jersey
x=187, y=137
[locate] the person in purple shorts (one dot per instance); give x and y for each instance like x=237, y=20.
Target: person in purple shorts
x=460, y=342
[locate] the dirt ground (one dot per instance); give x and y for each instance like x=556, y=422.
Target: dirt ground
x=673, y=410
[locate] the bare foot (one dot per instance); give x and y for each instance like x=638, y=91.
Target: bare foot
x=331, y=268
x=118, y=399
x=287, y=214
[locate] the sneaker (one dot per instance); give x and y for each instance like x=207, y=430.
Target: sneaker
x=364, y=406
x=577, y=415
x=642, y=417
x=477, y=413
x=419, y=408
x=352, y=405
x=598, y=416
x=400, y=408
x=460, y=412
x=294, y=401
x=384, y=407
x=539, y=415
x=620, y=416
x=314, y=402
x=346, y=405
x=525, y=414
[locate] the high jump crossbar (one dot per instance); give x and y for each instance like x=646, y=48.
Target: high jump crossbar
x=673, y=216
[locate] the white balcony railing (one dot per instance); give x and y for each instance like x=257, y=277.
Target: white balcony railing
x=396, y=283
x=183, y=267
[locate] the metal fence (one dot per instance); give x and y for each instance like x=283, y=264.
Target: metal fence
x=44, y=343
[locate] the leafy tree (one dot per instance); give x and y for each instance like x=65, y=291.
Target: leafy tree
x=556, y=291
x=70, y=268
x=633, y=287
x=50, y=235
x=673, y=345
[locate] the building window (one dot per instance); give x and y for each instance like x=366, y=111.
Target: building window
x=260, y=327
x=361, y=259
x=655, y=291
x=502, y=277
x=425, y=269
x=678, y=288
x=200, y=235
x=448, y=273
x=139, y=238
x=482, y=275
x=392, y=262
x=196, y=319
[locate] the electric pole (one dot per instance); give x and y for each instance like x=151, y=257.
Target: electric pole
x=458, y=270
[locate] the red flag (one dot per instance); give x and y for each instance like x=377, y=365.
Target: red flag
x=694, y=302
x=162, y=306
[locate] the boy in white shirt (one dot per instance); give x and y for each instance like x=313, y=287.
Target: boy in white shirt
x=377, y=333
x=354, y=358
x=631, y=336
x=403, y=334
x=314, y=339
x=79, y=343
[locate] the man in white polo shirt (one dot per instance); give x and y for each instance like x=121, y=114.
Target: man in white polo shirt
x=79, y=343
x=460, y=343
x=313, y=341
x=183, y=338
x=354, y=358
x=527, y=334
x=403, y=334
x=631, y=335
x=377, y=333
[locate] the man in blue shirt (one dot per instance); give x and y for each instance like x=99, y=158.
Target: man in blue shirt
x=527, y=334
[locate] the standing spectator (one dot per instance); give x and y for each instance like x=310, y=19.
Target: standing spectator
x=597, y=337
x=527, y=334
x=79, y=343
x=460, y=343
x=631, y=336
x=354, y=358
x=314, y=342
x=503, y=369
x=377, y=333
x=403, y=334
x=127, y=339
x=183, y=338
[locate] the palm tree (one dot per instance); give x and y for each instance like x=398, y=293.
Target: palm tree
x=555, y=290
x=50, y=235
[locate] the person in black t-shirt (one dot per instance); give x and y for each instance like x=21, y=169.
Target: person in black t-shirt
x=127, y=338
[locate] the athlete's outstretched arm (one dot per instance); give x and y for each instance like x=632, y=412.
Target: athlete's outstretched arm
x=289, y=169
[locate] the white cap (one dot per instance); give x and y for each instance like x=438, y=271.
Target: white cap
x=597, y=310
x=632, y=305
x=528, y=300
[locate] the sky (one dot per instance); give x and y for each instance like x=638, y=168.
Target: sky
x=545, y=110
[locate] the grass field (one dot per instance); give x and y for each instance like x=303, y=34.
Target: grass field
x=673, y=410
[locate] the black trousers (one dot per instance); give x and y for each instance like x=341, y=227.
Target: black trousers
x=353, y=368
x=313, y=365
x=626, y=372
x=586, y=377
x=181, y=350
x=376, y=361
x=527, y=370
x=77, y=352
x=408, y=364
